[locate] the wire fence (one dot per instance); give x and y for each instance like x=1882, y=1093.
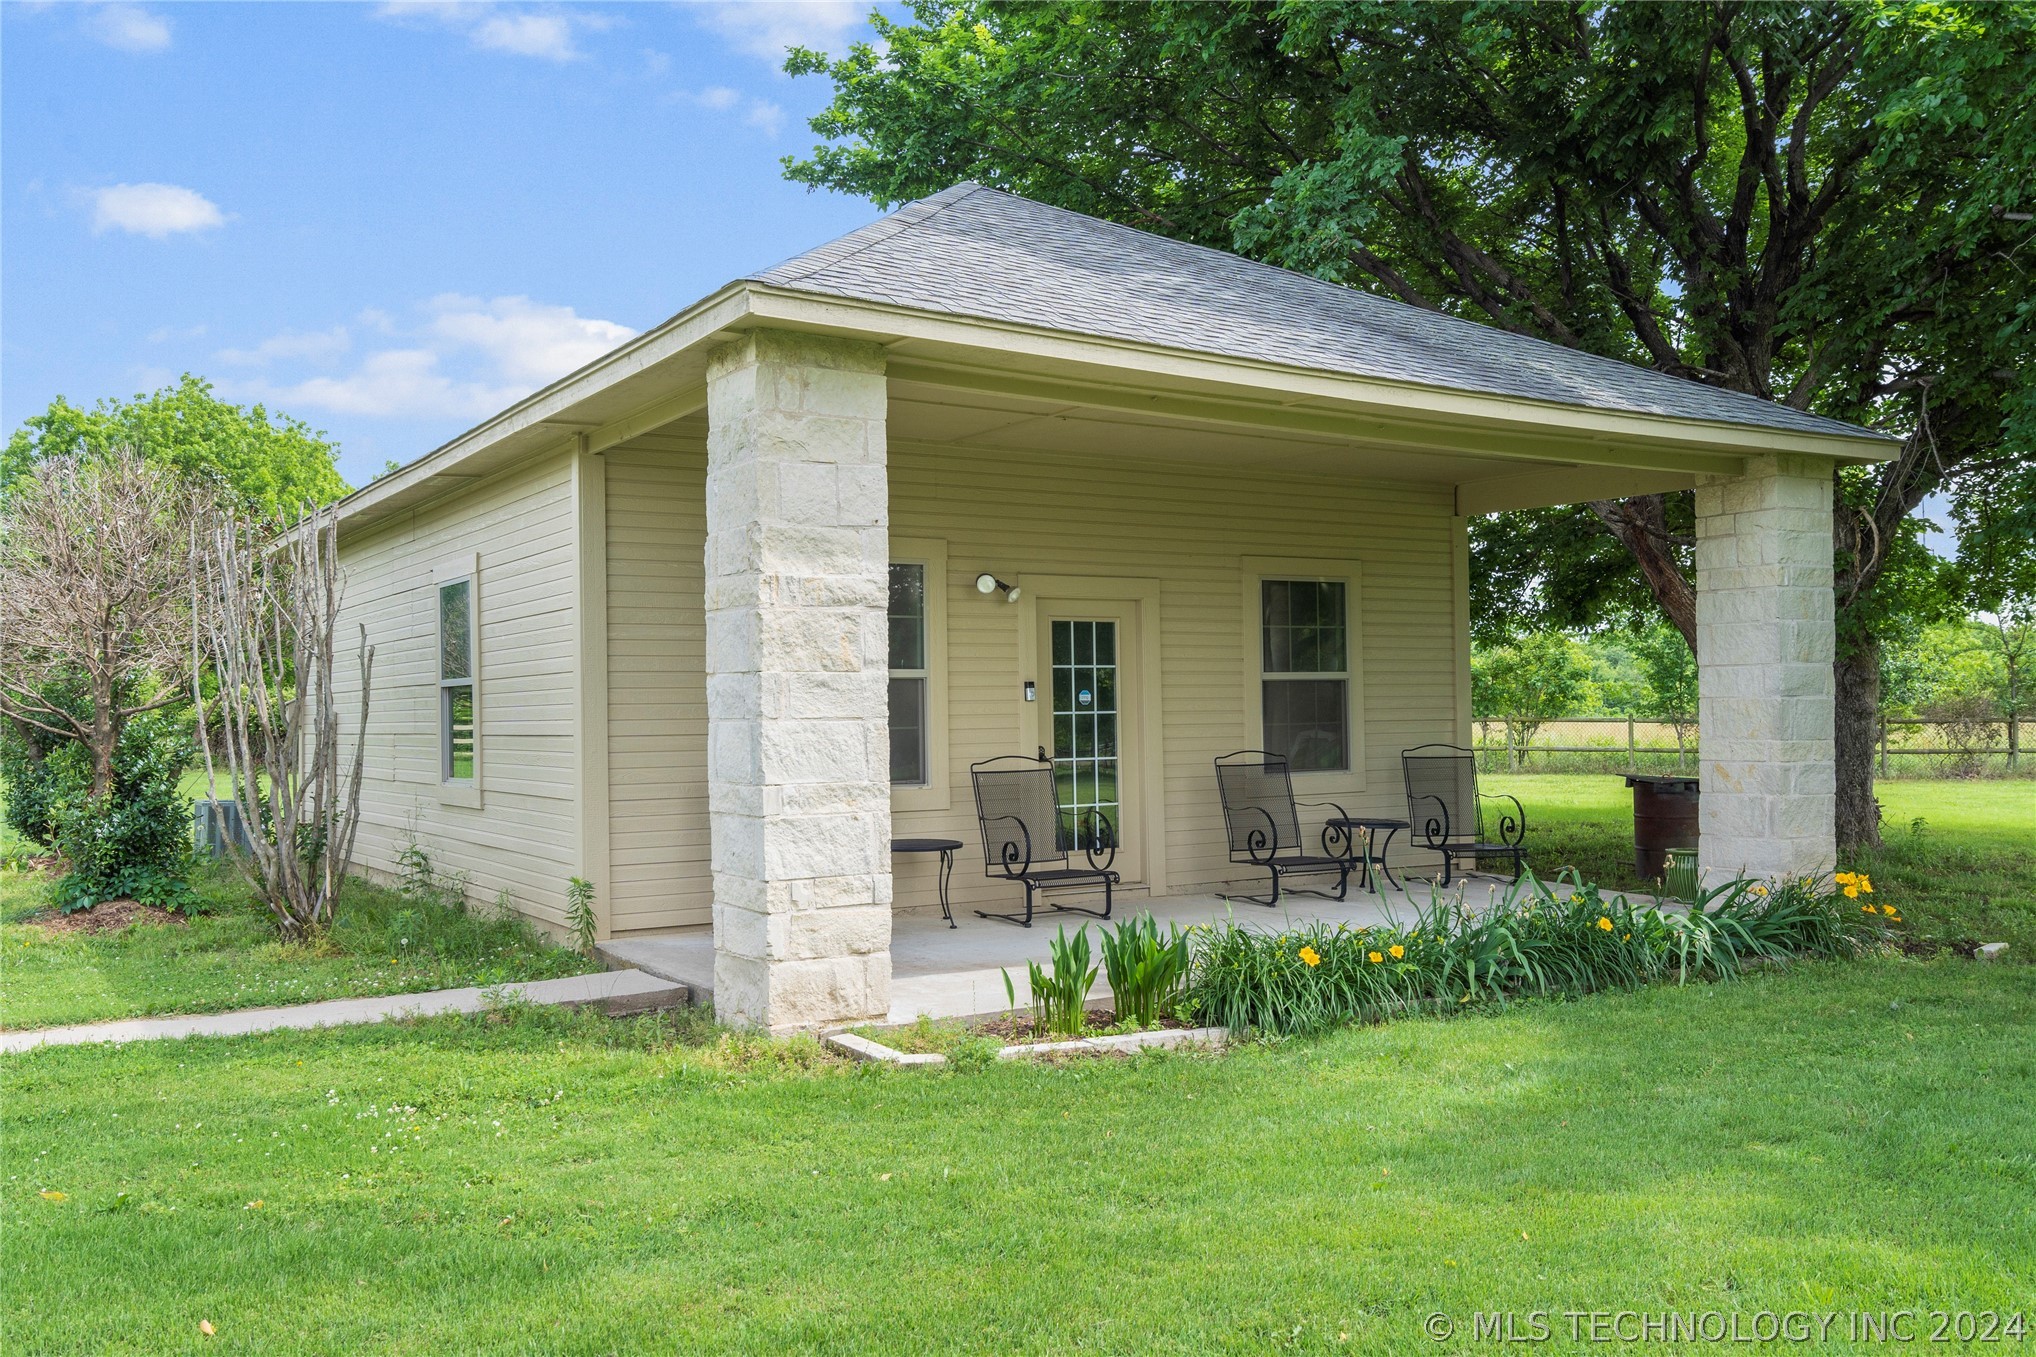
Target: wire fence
x=1916, y=749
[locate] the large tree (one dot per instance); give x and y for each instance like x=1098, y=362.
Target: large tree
x=264, y=461
x=1820, y=205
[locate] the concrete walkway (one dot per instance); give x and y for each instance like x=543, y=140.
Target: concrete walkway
x=942, y=972
x=617, y=992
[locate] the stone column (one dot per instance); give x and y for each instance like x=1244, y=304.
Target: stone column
x=798, y=716
x=1765, y=639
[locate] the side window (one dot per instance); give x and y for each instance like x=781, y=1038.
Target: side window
x=1304, y=663
x=456, y=680
x=908, y=676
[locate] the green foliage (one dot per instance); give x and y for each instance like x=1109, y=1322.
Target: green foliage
x=1145, y=968
x=136, y=842
x=1060, y=994
x=580, y=918
x=269, y=462
x=1537, y=678
x=1671, y=670
x=1539, y=938
x=1813, y=205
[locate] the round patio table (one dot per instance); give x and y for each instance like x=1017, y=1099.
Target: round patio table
x=1365, y=829
x=947, y=849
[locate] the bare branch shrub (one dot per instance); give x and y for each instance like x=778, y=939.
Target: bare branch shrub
x=267, y=604
x=95, y=597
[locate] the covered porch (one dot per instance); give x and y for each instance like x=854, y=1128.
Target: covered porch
x=940, y=972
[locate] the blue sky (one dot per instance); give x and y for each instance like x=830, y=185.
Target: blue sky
x=388, y=220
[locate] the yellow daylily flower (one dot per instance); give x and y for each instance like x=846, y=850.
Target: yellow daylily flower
x=1310, y=955
x=1604, y=924
x=1397, y=951
x=1852, y=892
x=1376, y=958
x=1760, y=890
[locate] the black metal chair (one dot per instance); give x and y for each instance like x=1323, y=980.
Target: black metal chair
x=1263, y=823
x=1027, y=840
x=1445, y=810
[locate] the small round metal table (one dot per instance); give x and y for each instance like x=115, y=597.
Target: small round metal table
x=947, y=849
x=1365, y=830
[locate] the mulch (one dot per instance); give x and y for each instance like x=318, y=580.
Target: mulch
x=108, y=916
x=1020, y=1029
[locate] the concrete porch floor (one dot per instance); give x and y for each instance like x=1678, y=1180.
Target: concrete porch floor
x=943, y=972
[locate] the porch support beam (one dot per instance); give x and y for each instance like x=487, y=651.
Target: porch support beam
x=1765, y=639
x=798, y=765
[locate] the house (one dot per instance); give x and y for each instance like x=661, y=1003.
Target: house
x=701, y=622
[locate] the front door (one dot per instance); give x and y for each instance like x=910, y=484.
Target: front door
x=1088, y=726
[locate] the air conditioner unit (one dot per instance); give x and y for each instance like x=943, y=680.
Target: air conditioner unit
x=218, y=824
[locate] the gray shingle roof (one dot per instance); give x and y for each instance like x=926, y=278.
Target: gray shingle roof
x=973, y=251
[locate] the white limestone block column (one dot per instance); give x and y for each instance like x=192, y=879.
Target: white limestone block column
x=798, y=715
x=1766, y=633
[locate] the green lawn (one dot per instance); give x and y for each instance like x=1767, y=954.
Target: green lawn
x=1839, y=1136
x=226, y=956
x=1843, y=1136
x=1959, y=856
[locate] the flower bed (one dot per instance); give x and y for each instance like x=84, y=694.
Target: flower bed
x=1537, y=938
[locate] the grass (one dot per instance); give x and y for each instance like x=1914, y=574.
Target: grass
x=1839, y=1136
x=1959, y=855
x=227, y=956
x=1831, y=1137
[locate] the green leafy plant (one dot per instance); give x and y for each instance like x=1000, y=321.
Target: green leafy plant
x=1535, y=938
x=133, y=842
x=1060, y=994
x=580, y=914
x=1145, y=968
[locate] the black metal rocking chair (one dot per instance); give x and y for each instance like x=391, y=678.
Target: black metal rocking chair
x=1445, y=810
x=1263, y=823
x=1026, y=839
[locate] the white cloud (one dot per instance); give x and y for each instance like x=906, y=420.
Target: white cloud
x=758, y=113
x=128, y=27
x=458, y=357
x=314, y=346
x=152, y=210
x=765, y=28
x=527, y=340
x=547, y=33
x=394, y=383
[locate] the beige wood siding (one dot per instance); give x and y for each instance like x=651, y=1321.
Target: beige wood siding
x=521, y=839
x=1191, y=527
x=657, y=688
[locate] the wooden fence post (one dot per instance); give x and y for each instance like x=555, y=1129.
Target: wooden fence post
x=1632, y=750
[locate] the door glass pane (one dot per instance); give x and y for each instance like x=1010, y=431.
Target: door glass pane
x=1085, y=735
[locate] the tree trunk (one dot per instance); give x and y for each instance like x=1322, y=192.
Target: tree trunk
x=1641, y=525
x=1858, y=717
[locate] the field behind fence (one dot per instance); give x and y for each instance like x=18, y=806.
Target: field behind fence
x=1616, y=745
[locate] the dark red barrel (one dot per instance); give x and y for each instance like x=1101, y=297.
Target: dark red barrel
x=1664, y=817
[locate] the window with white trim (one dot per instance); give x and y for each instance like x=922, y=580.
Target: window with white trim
x=908, y=676
x=1304, y=666
x=456, y=697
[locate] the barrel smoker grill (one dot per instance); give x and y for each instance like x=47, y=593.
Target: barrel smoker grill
x=1664, y=817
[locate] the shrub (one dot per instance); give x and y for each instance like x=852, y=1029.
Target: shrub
x=135, y=842
x=1538, y=938
x=1145, y=970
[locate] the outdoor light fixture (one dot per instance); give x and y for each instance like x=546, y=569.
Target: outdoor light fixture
x=990, y=584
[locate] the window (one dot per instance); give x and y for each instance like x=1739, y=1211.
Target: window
x=909, y=761
x=456, y=680
x=1304, y=665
